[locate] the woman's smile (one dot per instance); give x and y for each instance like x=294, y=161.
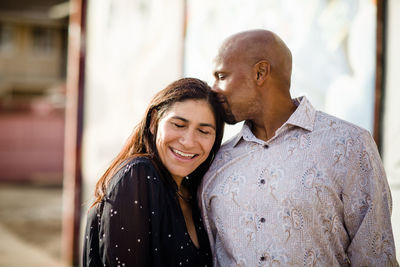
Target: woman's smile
x=183, y=155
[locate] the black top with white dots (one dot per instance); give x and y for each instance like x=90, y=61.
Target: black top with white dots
x=140, y=223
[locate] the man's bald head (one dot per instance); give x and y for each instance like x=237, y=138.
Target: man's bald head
x=253, y=46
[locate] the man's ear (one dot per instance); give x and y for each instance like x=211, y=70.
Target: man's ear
x=262, y=69
x=153, y=121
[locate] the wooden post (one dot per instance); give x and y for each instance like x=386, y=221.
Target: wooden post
x=73, y=133
x=380, y=68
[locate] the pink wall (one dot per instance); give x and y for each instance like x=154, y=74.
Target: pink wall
x=31, y=147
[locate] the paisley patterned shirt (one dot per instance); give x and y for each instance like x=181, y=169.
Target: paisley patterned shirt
x=315, y=194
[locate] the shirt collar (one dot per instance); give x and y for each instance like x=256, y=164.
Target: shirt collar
x=245, y=134
x=303, y=117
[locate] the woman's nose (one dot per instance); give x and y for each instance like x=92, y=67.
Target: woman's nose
x=188, y=139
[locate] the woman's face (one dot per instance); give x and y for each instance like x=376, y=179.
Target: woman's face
x=185, y=136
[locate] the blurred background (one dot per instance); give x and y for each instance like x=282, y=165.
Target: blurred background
x=76, y=76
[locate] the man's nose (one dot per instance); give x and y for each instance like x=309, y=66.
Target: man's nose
x=216, y=88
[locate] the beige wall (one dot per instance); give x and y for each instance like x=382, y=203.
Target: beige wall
x=134, y=49
x=391, y=111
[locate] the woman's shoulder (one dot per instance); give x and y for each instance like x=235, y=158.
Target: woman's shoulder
x=138, y=169
x=140, y=163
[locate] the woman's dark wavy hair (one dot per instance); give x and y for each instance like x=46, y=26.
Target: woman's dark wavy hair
x=143, y=143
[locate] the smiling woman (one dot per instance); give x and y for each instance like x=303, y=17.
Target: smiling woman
x=145, y=213
x=185, y=137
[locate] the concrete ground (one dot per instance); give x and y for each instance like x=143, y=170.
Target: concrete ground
x=30, y=225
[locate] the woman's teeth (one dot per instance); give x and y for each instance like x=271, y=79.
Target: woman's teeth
x=186, y=155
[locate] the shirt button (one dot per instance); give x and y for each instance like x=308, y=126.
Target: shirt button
x=262, y=220
x=266, y=146
x=262, y=258
x=262, y=181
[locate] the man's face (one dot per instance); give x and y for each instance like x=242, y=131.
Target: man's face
x=234, y=86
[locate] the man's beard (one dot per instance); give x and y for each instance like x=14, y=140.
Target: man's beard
x=229, y=118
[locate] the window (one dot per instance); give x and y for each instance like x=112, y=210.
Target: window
x=42, y=40
x=6, y=38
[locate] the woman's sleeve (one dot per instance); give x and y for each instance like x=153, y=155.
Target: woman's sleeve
x=90, y=253
x=125, y=231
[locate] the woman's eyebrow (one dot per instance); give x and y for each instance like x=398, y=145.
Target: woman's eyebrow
x=180, y=118
x=186, y=120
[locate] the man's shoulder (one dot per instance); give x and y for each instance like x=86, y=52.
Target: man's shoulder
x=325, y=121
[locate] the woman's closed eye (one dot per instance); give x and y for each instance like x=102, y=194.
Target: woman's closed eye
x=207, y=130
x=178, y=125
x=204, y=131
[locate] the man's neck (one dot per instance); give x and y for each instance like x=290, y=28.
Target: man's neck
x=272, y=120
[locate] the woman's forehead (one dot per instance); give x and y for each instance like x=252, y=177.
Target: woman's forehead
x=191, y=109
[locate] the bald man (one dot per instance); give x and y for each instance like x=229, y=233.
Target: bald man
x=296, y=186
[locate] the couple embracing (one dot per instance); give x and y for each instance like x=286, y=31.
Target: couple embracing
x=295, y=187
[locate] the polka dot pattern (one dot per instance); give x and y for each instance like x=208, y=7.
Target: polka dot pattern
x=140, y=223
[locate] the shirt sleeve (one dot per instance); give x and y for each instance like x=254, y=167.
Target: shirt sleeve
x=125, y=228
x=367, y=207
x=90, y=252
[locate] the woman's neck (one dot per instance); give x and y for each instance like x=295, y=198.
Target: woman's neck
x=178, y=180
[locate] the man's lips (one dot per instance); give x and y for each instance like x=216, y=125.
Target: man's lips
x=221, y=99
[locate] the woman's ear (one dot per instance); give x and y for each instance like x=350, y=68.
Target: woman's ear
x=153, y=120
